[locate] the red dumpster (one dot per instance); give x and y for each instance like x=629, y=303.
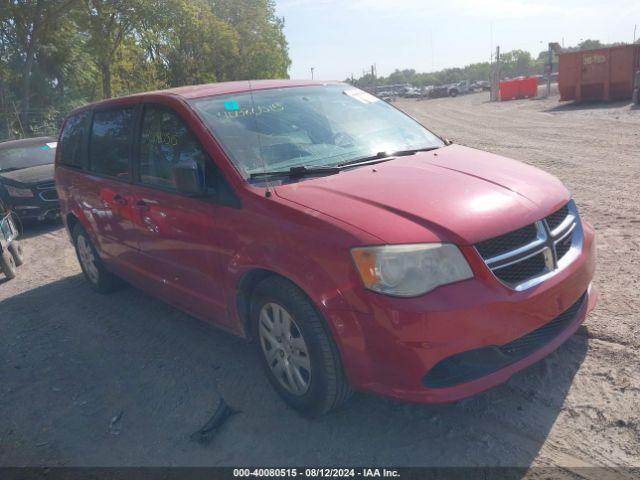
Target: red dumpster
x=600, y=74
x=519, y=88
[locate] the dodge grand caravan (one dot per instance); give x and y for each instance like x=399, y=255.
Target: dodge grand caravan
x=358, y=250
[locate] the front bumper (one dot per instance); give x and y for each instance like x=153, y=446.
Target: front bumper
x=37, y=213
x=34, y=208
x=400, y=345
x=43, y=205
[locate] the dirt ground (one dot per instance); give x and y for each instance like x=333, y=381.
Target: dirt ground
x=118, y=380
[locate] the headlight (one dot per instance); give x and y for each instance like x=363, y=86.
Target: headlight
x=19, y=192
x=410, y=270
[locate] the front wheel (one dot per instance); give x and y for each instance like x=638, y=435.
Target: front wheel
x=16, y=252
x=300, y=357
x=8, y=265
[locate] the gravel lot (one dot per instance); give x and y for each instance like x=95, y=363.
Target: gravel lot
x=125, y=380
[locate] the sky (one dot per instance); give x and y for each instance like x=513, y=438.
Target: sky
x=338, y=38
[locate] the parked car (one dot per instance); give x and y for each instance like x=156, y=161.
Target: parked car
x=439, y=91
x=483, y=85
x=357, y=249
x=457, y=88
x=26, y=178
x=387, y=96
x=11, y=254
x=463, y=87
x=412, y=92
x=451, y=90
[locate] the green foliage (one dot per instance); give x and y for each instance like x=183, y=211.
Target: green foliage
x=58, y=54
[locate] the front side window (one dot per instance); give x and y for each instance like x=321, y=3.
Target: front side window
x=110, y=140
x=311, y=126
x=71, y=140
x=165, y=143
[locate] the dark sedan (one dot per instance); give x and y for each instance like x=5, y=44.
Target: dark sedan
x=26, y=178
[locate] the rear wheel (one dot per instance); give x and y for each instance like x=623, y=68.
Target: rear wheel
x=100, y=279
x=8, y=265
x=300, y=358
x=17, y=253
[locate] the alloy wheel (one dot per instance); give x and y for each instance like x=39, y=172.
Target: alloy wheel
x=284, y=348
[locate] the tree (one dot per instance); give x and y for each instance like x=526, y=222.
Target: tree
x=516, y=63
x=197, y=46
x=58, y=54
x=108, y=23
x=263, y=48
x=26, y=23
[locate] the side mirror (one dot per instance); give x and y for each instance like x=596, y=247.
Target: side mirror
x=188, y=178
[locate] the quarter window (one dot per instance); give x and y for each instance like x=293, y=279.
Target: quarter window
x=71, y=140
x=165, y=143
x=109, y=144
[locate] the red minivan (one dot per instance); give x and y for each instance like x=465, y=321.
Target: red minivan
x=358, y=250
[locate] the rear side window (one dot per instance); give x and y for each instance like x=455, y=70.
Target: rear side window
x=165, y=143
x=71, y=140
x=110, y=140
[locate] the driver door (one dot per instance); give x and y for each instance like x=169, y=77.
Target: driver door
x=175, y=232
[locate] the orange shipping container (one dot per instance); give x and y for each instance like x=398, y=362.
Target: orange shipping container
x=602, y=74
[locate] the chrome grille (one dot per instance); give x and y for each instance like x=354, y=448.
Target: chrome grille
x=528, y=256
x=504, y=243
x=521, y=271
x=46, y=185
x=47, y=191
x=556, y=218
x=50, y=195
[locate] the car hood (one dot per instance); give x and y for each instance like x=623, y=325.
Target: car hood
x=29, y=176
x=455, y=194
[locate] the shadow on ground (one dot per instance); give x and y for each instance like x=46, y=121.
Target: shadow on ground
x=590, y=105
x=32, y=229
x=125, y=380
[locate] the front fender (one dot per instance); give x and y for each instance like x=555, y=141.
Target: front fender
x=324, y=283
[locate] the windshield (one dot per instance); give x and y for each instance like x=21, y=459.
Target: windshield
x=310, y=126
x=25, y=157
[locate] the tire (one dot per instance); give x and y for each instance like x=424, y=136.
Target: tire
x=453, y=93
x=326, y=384
x=18, y=223
x=8, y=265
x=99, y=278
x=16, y=251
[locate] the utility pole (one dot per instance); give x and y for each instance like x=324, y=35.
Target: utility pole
x=311, y=73
x=495, y=80
x=373, y=75
x=549, y=68
x=491, y=43
x=432, y=57
x=634, y=32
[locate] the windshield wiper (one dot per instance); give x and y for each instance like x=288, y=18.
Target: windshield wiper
x=304, y=171
x=369, y=160
x=297, y=172
x=413, y=151
x=384, y=157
